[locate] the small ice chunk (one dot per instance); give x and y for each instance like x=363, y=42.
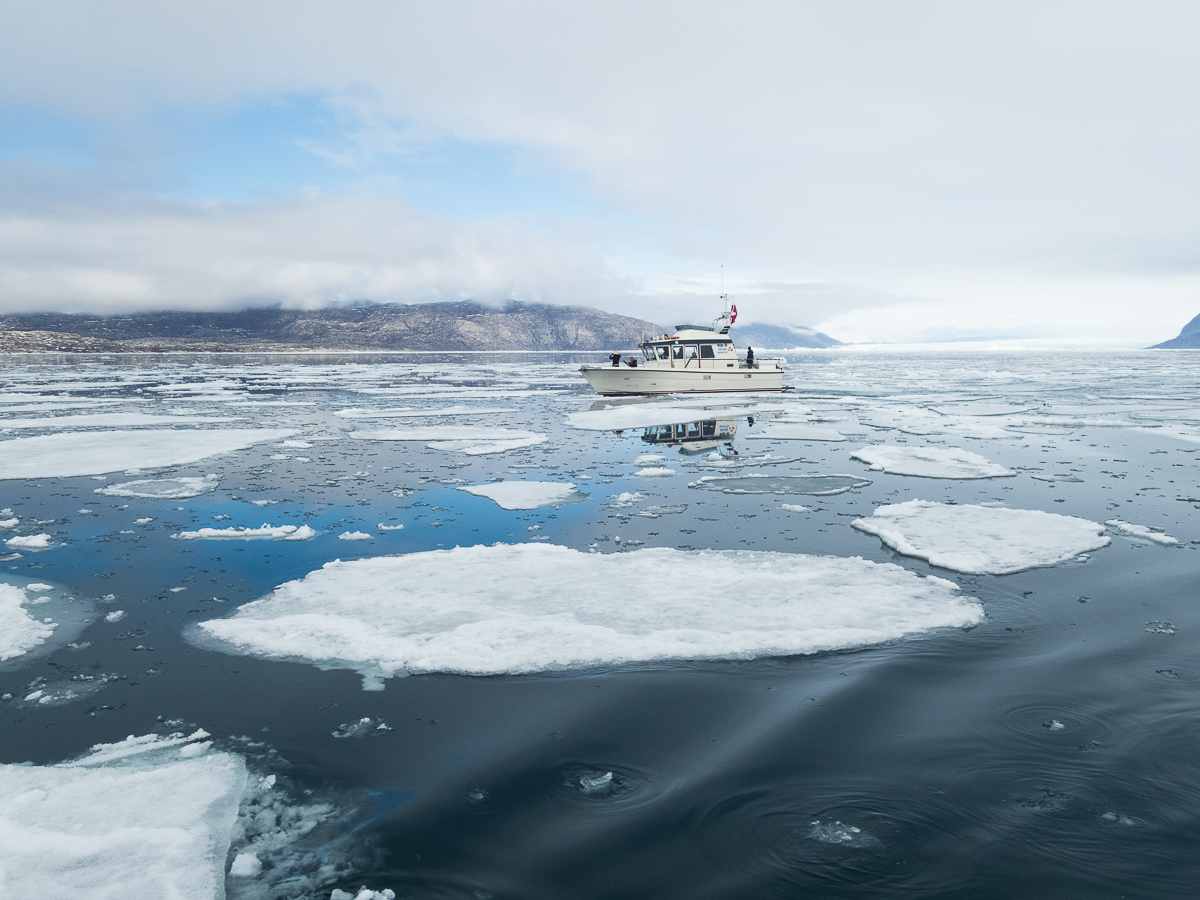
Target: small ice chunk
x=19, y=631
x=265, y=532
x=368, y=726
x=930, y=462
x=9, y=523
x=383, y=527
x=33, y=542
x=596, y=782
x=161, y=488
x=794, y=507
x=245, y=865
x=982, y=540
x=115, y=616
x=144, y=520
x=1141, y=531
x=355, y=536
x=649, y=459
x=527, y=494
x=38, y=586
x=655, y=472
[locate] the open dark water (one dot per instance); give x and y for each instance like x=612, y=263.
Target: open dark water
x=1051, y=751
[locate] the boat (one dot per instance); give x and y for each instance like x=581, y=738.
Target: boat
x=696, y=359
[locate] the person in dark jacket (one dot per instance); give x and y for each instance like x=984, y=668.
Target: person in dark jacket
x=749, y=357
x=616, y=358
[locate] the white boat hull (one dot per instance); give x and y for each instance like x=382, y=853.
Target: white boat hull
x=651, y=379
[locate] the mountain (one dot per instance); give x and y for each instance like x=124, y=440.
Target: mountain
x=361, y=326
x=1189, y=338
x=780, y=337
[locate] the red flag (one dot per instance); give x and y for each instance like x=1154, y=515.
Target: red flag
x=733, y=314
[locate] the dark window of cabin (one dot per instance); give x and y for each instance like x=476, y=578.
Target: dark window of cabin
x=706, y=351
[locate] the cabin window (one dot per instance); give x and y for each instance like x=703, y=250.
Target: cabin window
x=678, y=348
x=706, y=351
x=689, y=351
x=648, y=352
x=693, y=429
x=663, y=353
x=709, y=428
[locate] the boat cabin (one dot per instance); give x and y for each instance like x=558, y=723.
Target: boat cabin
x=692, y=346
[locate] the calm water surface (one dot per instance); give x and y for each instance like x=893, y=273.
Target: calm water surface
x=1050, y=751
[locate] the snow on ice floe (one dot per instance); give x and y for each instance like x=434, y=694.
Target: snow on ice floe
x=161, y=488
x=95, y=452
x=472, y=440
x=263, y=533
x=527, y=494
x=34, y=542
x=145, y=817
x=488, y=610
x=929, y=462
x=20, y=631
x=114, y=420
x=982, y=540
x=1128, y=529
x=815, y=485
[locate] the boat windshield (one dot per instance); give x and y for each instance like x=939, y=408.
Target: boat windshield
x=663, y=352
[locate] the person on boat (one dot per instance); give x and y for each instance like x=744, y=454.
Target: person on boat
x=633, y=362
x=616, y=358
x=749, y=357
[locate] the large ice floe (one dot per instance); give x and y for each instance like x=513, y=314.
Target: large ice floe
x=488, y=610
x=527, y=494
x=930, y=462
x=472, y=440
x=982, y=540
x=161, y=488
x=145, y=817
x=113, y=420
x=96, y=452
x=36, y=619
x=411, y=412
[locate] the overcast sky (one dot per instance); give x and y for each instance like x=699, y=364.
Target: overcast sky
x=882, y=171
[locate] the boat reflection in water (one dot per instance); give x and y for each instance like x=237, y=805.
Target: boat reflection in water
x=695, y=437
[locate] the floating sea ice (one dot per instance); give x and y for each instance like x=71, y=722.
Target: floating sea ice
x=488, y=610
x=355, y=536
x=472, y=440
x=368, y=726
x=34, y=542
x=382, y=527
x=930, y=462
x=265, y=532
x=161, y=488
x=19, y=631
x=655, y=472
x=139, y=818
x=981, y=540
x=9, y=523
x=114, y=420
x=649, y=459
x=797, y=432
x=365, y=893
x=794, y=507
x=527, y=494
x=404, y=412
x=625, y=498
x=1141, y=531
x=71, y=454
x=814, y=485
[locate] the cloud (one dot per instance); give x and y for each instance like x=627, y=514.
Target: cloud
x=940, y=158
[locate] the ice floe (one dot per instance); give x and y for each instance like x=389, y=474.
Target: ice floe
x=982, y=540
x=264, y=532
x=754, y=483
x=161, y=488
x=20, y=632
x=1143, y=532
x=95, y=452
x=32, y=542
x=145, y=817
x=114, y=420
x=472, y=440
x=410, y=412
x=655, y=472
x=533, y=607
x=930, y=462
x=527, y=494
x=355, y=536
